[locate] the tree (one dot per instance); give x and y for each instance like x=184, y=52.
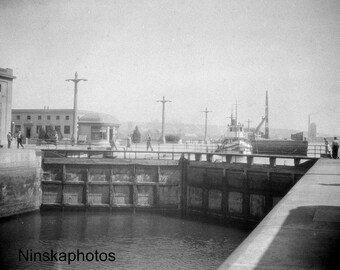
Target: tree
x=42, y=134
x=49, y=133
x=171, y=138
x=60, y=135
x=136, y=136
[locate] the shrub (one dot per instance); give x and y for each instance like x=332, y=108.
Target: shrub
x=171, y=138
x=136, y=136
x=42, y=134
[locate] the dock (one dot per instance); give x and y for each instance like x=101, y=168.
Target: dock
x=302, y=231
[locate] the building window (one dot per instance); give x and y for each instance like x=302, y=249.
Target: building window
x=28, y=117
x=39, y=128
x=48, y=117
x=17, y=128
x=18, y=117
x=39, y=117
x=67, y=130
x=57, y=117
x=67, y=117
x=98, y=133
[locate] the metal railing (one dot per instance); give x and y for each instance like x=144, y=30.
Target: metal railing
x=314, y=150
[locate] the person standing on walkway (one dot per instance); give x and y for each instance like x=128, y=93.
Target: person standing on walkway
x=19, y=140
x=335, y=147
x=9, y=139
x=328, y=149
x=148, y=143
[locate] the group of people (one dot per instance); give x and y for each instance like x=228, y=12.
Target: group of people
x=332, y=151
x=129, y=143
x=17, y=137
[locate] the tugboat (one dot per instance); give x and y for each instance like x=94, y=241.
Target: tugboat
x=236, y=139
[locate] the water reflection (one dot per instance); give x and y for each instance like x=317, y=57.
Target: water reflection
x=139, y=241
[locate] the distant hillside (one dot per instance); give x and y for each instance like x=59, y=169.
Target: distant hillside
x=192, y=130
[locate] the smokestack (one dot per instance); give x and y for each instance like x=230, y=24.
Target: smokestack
x=266, y=127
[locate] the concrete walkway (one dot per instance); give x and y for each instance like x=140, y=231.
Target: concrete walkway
x=302, y=231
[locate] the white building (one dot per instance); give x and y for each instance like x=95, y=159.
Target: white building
x=94, y=127
x=6, y=80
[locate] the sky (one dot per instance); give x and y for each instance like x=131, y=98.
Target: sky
x=198, y=54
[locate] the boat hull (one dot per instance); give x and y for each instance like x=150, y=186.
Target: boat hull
x=240, y=147
x=280, y=147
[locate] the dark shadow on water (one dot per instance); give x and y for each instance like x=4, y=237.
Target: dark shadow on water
x=337, y=185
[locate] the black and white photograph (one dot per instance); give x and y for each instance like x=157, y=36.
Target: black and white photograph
x=169, y=134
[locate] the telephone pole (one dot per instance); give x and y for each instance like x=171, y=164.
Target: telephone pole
x=75, y=106
x=206, y=123
x=162, y=139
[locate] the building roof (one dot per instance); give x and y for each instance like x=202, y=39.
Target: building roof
x=49, y=111
x=7, y=73
x=95, y=117
x=43, y=111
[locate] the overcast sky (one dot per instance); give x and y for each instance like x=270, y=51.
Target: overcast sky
x=196, y=53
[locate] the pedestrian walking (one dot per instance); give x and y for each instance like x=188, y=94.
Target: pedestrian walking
x=19, y=140
x=128, y=142
x=113, y=143
x=148, y=143
x=56, y=138
x=335, y=147
x=9, y=139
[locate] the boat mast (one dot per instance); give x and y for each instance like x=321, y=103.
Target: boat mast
x=236, y=125
x=266, y=127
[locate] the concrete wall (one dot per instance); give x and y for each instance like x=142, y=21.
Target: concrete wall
x=19, y=182
x=302, y=231
x=237, y=191
x=231, y=191
x=111, y=185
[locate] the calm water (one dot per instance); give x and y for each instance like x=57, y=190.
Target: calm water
x=139, y=241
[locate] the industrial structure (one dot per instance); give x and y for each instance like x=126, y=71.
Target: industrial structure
x=6, y=80
x=94, y=127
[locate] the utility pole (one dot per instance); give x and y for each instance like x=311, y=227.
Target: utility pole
x=75, y=106
x=206, y=123
x=162, y=139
